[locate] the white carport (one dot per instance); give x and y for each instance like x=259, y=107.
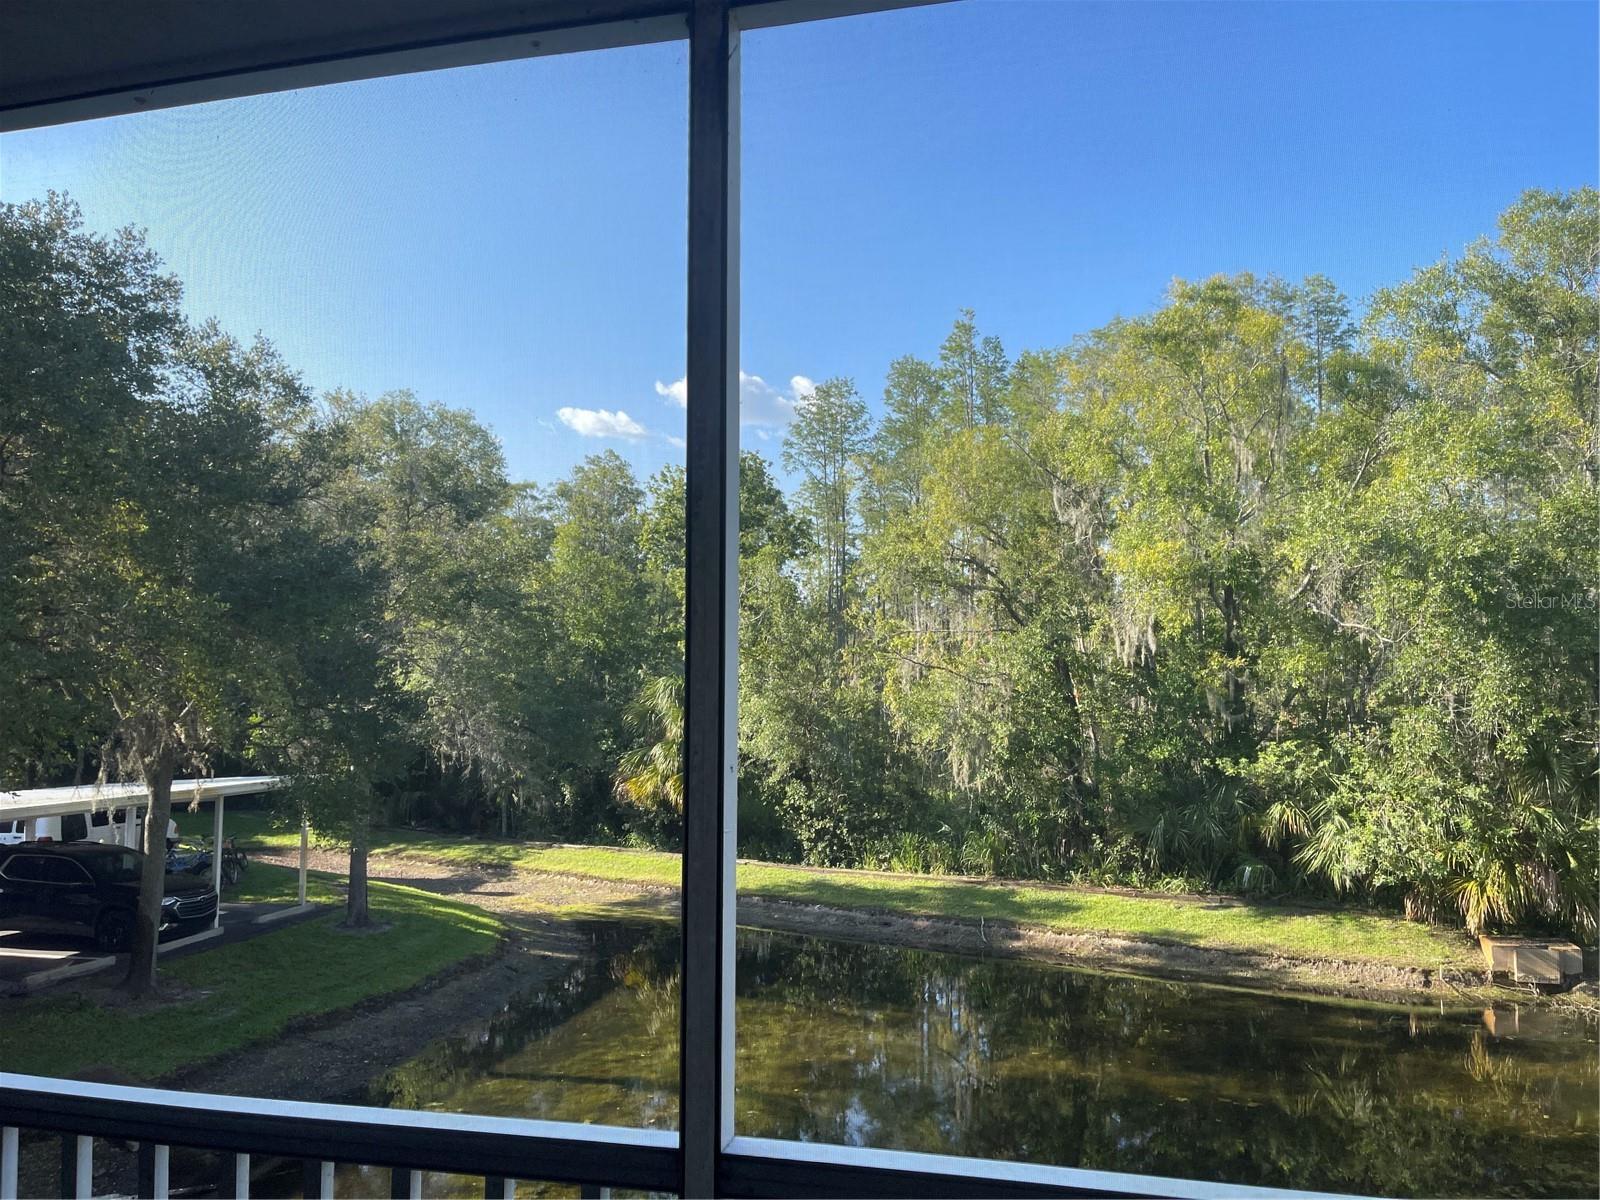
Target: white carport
x=35, y=803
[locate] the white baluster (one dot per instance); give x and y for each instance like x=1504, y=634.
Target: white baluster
x=83, y=1184
x=8, y=1163
x=161, y=1172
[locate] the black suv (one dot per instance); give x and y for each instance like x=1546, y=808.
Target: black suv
x=73, y=887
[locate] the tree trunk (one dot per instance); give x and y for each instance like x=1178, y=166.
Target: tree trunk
x=141, y=977
x=356, y=915
x=1233, y=678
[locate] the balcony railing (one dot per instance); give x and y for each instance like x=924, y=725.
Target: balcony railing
x=500, y=1150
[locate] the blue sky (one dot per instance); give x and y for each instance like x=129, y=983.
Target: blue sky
x=509, y=238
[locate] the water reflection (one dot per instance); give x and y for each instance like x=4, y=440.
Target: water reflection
x=873, y=1045
x=1001, y=1059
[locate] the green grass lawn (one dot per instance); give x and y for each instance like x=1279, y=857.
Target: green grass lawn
x=264, y=883
x=1300, y=933
x=1263, y=928
x=249, y=991
x=247, y=827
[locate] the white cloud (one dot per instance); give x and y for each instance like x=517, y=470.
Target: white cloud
x=677, y=391
x=600, y=422
x=760, y=403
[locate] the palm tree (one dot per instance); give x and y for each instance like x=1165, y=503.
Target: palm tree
x=650, y=776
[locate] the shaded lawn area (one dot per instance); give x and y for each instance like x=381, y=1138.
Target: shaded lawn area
x=249, y=991
x=1349, y=935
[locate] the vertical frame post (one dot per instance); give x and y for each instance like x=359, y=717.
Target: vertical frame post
x=711, y=666
x=145, y=1169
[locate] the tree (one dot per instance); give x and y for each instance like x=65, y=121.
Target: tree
x=903, y=443
x=649, y=776
x=615, y=608
x=824, y=446
x=88, y=327
x=1319, y=315
x=1238, y=593
x=972, y=376
x=421, y=494
x=181, y=646
x=1456, y=555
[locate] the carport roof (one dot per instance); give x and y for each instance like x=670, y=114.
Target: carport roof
x=57, y=801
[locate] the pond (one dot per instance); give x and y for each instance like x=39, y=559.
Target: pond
x=883, y=1046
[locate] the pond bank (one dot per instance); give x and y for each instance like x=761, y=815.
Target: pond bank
x=554, y=897
x=338, y=1054
x=594, y=1001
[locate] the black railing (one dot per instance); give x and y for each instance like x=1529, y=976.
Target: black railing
x=499, y=1150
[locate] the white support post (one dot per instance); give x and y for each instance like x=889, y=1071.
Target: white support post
x=305, y=854
x=241, y=1177
x=325, y=1178
x=162, y=1172
x=414, y=1186
x=8, y=1163
x=216, y=862
x=83, y=1174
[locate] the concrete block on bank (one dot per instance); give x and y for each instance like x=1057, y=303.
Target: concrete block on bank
x=1498, y=952
x=1531, y=960
x=1535, y=964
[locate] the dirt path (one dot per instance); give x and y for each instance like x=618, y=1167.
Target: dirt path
x=339, y=1054
x=537, y=898
x=528, y=898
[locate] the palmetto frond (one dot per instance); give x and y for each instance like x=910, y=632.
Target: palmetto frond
x=650, y=775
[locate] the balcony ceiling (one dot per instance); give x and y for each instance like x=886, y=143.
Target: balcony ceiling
x=69, y=59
